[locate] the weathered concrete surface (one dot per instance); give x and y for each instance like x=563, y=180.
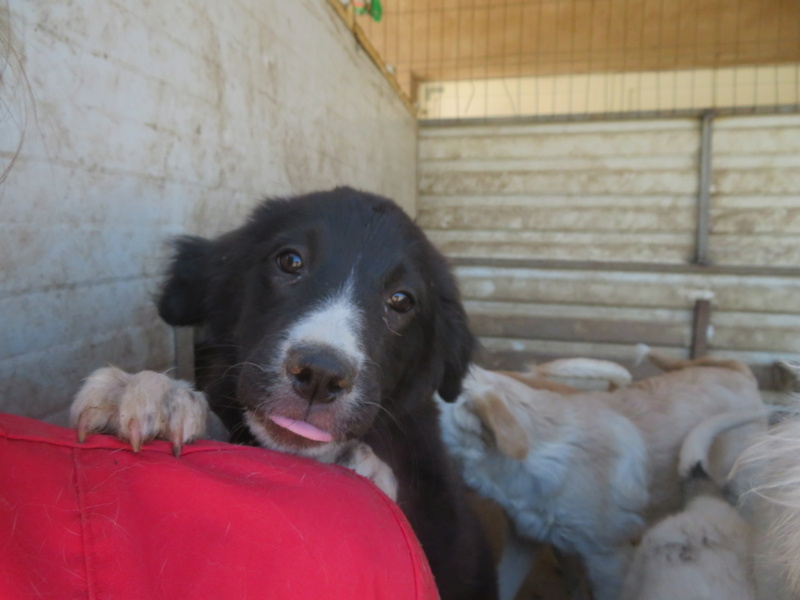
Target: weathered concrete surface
x=149, y=119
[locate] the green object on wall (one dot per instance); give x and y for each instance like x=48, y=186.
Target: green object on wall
x=371, y=7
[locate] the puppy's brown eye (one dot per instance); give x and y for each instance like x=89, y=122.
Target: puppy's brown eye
x=400, y=302
x=290, y=262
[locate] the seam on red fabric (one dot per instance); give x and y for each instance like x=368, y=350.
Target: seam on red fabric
x=89, y=445
x=414, y=557
x=38, y=440
x=405, y=527
x=85, y=535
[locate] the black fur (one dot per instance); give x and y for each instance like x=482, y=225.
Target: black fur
x=232, y=287
x=699, y=483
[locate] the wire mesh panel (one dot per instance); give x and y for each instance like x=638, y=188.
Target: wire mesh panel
x=459, y=59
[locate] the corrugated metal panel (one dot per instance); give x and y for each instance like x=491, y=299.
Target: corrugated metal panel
x=562, y=191
x=609, y=311
x=605, y=288
x=755, y=205
x=617, y=193
x=581, y=323
x=516, y=353
x=607, y=246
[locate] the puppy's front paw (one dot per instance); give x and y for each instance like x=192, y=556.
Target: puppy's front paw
x=140, y=407
x=366, y=463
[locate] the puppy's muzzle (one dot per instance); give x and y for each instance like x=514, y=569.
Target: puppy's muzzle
x=319, y=374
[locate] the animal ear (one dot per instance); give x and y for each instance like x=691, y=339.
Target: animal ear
x=455, y=342
x=508, y=433
x=183, y=295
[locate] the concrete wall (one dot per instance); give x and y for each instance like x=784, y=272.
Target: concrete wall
x=146, y=119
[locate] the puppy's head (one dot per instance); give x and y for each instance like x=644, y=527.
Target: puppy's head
x=481, y=421
x=323, y=310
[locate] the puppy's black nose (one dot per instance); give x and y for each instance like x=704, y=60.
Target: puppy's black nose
x=319, y=374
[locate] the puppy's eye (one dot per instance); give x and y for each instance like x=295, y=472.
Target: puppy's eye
x=400, y=302
x=290, y=262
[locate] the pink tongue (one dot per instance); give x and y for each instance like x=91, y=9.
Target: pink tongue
x=303, y=429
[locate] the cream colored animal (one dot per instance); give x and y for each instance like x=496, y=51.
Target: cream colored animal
x=571, y=375
x=774, y=507
x=586, y=472
x=703, y=552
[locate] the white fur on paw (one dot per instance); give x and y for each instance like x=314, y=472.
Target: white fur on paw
x=366, y=463
x=139, y=407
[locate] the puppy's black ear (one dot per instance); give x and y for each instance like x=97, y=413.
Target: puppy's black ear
x=455, y=342
x=183, y=295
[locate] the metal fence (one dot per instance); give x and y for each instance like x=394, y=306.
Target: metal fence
x=477, y=59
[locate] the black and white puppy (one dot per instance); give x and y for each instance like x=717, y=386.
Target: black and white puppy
x=330, y=321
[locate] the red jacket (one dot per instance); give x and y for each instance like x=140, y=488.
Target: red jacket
x=98, y=521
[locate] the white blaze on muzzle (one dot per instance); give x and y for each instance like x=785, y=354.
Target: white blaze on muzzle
x=336, y=323
x=333, y=327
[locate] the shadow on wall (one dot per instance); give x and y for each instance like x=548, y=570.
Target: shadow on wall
x=16, y=105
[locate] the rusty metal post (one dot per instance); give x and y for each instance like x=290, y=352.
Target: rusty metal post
x=700, y=324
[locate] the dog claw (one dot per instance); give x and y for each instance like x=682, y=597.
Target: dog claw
x=137, y=408
x=83, y=427
x=135, y=436
x=177, y=442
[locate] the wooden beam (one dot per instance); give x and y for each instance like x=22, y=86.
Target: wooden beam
x=347, y=15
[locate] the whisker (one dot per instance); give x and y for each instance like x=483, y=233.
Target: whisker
x=389, y=413
x=389, y=327
x=376, y=364
x=243, y=364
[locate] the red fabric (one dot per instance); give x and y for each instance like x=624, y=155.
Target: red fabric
x=98, y=521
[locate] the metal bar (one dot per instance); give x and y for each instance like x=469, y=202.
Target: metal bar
x=700, y=323
x=704, y=190
x=787, y=109
x=183, y=340
x=571, y=265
